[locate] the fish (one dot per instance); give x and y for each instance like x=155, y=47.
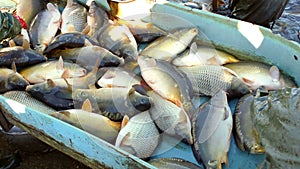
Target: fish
x=245, y=134
x=113, y=103
x=119, y=77
x=10, y=79
x=139, y=136
x=203, y=56
x=170, y=118
x=52, y=70
x=209, y=79
x=167, y=163
x=69, y=40
x=93, y=123
x=74, y=17
x=25, y=98
x=143, y=32
x=169, y=46
x=256, y=74
x=118, y=39
x=27, y=10
x=212, y=131
x=20, y=38
x=44, y=27
x=86, y=56
x=55, y=96
x=167, y=81
x=23, y=56
x=96, y=18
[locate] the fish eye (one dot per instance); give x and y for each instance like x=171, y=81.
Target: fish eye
x=37, y=89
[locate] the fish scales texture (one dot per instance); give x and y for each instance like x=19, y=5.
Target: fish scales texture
x=73, y=15
x=44, y=27
x=140, y=136
x=170, y=118
x=207, y=80
x=26, y=99
x=276, y=118
x=96, y=18
x=212, y=132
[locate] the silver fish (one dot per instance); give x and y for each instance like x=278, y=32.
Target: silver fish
x=168, y=46
x=29, y=101
x=74, y=17
x=167, y=81
x=203, y=56
x=257, y=74
x=11, y=80
x=92, y=123
x=140, y=136
x=117, y=39
x=52, y=70
x=212, y=132
x=209, y=79
x=119, y=77
x=113, y=102
x=44, y=27
x=170, y=118
x=96, y=18
x=246, y=135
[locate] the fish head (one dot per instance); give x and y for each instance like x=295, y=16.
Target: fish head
x=16, y=81
x=139, y=101
x=238, y=88
x=128, y=51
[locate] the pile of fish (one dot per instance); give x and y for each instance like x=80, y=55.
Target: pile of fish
x=94, y=73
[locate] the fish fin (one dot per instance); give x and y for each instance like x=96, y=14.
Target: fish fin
x=275, y=73
x=65, y=74
x=26, y=44
x=51, y=7
x=69, y=85
x=12, y=43
x=71, y=28
x=14, y=67
x=226, y=160
x=87, y=43
x=60, y=64
x=87, y=106
x=227, y=70
x=92, y=86
x=131, y=91
x=51, y=83
x=125, y=139
x=193, y=48
x=65, y=112
x=213, y=60
x=247, y=81
x=86, y=30
x=124, y=121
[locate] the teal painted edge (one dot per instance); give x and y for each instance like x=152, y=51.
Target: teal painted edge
x=80, y=145
x=223, y=34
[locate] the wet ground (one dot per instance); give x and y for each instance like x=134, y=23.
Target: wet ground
x=29, y=153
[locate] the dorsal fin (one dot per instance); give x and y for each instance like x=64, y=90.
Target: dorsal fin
x=86, y=29
x=124, y=121
x=274, y=73
x=87, y=106
x=69, y=85
x=193, y=48
x=12, y=43
x=26, y=44
x=60, y=64
x=14, y=67
x=51, y=83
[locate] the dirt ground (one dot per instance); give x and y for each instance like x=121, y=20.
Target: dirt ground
x=30, y=153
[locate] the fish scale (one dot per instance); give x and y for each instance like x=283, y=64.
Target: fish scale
x=73, y=14
x=207, y=80
x=25, y=98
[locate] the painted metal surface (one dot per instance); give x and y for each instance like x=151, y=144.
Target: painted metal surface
x=222, y=32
